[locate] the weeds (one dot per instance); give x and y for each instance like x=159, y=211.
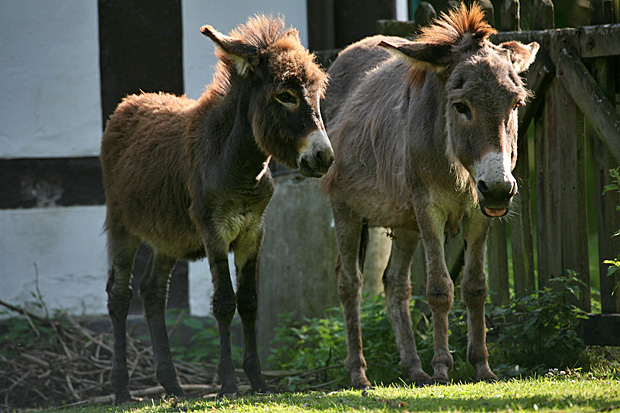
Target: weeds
x=530, y=336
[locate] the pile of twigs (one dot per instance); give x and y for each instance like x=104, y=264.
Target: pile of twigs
x=65, y=363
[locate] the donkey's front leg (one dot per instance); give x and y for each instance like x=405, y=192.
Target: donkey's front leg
x=474, y=293
x=439, y=285
x=397, y=288
x=246, y=257
x=224, y=305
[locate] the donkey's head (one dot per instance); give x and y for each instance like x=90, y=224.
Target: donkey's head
x=482, y=93
x=283, y=86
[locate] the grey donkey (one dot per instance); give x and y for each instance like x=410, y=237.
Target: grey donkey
x=425, y=138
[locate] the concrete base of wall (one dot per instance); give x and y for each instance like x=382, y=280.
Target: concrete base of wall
x=297, y=258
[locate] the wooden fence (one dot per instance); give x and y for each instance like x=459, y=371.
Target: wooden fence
x=563, y=163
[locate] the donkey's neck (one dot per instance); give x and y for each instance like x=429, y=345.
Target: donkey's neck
x=226, y=146
x=426, y=119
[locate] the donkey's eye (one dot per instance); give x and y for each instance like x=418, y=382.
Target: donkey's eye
x=287, y=98
x=463, y=109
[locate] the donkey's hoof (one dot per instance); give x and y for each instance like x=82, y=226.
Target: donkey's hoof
x=420, y=378
x=175, y=392
x=441, y=381
x=126, y=398
x=490, y=377
x=262, y=391
x=228, y=392
x=361, y=384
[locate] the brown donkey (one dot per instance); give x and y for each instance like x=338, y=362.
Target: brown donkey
x=191, y=179
x=425, y=136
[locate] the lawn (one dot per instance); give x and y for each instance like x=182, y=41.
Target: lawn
x=559, y=392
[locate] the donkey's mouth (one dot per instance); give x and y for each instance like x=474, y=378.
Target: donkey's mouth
x=494, y=212
x=308, y=171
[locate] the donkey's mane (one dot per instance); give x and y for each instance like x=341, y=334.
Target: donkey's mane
x=279, y=44
x=452, y=29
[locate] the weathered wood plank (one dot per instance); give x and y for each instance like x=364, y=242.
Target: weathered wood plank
x=599, y=41
x=601, y=11
x=591, y=100
x=510, y=15
x=540, y=144
x=396, y=28
x=570, y=164
x=497, y=252
x=548, y=188
x=542, y=15
x=539, y=77
x=593, y=41
x=521, y=239
x=575, y=253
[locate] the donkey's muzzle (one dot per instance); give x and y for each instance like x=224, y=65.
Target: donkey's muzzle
x=495, y=197
x=317, y=155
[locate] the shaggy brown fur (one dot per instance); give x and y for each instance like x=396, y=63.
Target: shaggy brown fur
x=190, y=179
x=423, y=155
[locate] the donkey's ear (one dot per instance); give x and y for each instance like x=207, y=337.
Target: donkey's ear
x=243, y=55
x=521, y=55
x=292, y=32
x=424, y=56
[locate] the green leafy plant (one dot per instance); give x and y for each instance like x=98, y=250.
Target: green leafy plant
x=319, y=344
x=204, y=342
x=537, y=332
x=614, y=264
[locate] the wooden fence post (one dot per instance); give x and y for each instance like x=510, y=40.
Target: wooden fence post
x=569, y=133
x=497, y=252
x=510, y=16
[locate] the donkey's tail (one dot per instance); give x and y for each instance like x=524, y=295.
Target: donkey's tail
x=361, y=254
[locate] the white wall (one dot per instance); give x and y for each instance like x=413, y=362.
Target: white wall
x=198, y=57
x=68, y=248
x=49, y=79
x=198, y=64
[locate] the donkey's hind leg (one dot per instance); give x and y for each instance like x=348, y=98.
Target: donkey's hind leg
x=121, y=250
x=246, y=256
x=350, y=282
x=154, y=291
x=397, y=295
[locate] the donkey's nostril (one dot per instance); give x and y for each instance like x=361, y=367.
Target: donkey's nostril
x=324, y=158
x=513, y=188
x=482, y=187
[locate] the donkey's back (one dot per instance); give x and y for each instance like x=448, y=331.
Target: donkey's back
x=350, y=68
x=146, y=170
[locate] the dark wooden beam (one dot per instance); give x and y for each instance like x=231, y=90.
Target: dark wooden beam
x=600, y=330
x=45, y=182
x=591, y=100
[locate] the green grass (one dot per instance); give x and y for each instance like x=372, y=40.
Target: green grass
x=568, y=393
